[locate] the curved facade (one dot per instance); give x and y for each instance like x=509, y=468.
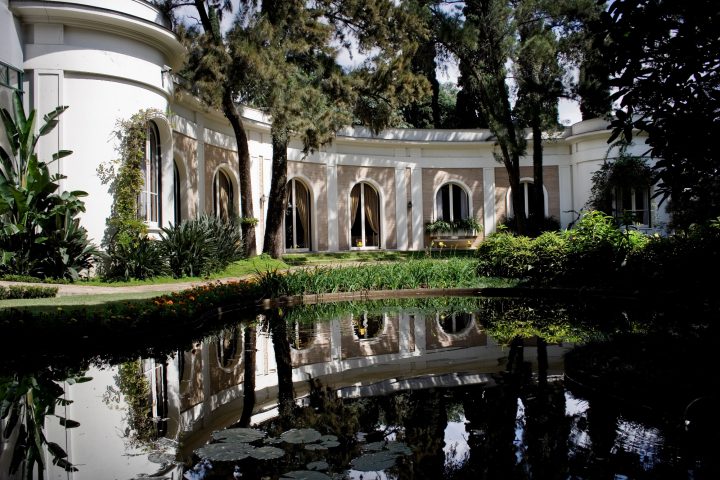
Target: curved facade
x=107, y=63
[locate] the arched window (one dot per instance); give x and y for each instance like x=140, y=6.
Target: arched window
x=149, y=198
x=451, y=203
x=527, y=194
x=632, y=205
x=297, y=216
x=177, y=213
x=366, y=327
x=223, y=197
x=364, y=216
x=456, y=322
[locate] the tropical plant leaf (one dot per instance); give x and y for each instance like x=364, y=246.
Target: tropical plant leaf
x=67, y=423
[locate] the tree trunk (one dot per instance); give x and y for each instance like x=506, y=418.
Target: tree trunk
x=230, y=111
x=277, y=204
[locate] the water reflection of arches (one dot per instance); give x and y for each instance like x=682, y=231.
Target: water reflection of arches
x=368, y=327
x=227, y=351
x=301, y=336
x=453, y=329
x=455, y=323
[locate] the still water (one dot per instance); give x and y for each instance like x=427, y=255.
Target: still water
x=449, y=388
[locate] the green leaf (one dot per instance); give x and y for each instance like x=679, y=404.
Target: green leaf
x=61, y=154
x=56, y=450
x=67, y=423
x=51, y=120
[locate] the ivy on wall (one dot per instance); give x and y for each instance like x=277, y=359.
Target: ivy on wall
x=627, y=171
x=124, y=175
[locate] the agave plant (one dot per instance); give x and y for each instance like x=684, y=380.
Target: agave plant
x=38, y=224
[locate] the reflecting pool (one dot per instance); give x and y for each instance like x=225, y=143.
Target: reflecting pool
x=457, y=388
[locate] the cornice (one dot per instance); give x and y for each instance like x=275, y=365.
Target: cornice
x=104, y=20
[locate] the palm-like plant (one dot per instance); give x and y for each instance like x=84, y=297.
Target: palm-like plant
x=39, y=230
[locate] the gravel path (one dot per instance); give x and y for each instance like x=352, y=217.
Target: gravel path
x=77, y=289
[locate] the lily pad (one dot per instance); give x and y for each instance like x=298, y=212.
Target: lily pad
x=328, y=438
x=374, y=446
x=330, y=443
x=225, y=452
x=315, y=446
x=242, y=435
x=374, y=462
x=267, y=453
x=272, y=440
x=399, y=448
x=318, y=466
x=301, y=435
x=306, y=475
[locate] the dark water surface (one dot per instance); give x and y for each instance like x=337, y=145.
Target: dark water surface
x=458, y=388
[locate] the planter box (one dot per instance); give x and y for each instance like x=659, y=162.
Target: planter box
x=458, y=240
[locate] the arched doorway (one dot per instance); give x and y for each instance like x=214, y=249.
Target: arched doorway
x=223, y=197
x=297, y=217
x=364, y=217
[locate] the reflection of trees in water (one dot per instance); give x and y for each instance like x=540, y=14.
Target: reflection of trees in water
x=249, y=362
x=283, y=361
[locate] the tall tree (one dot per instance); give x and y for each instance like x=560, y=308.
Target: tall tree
x=303, y=88
x=539, y=78
x=211, y=72
x=664, y=57
x=484, y=38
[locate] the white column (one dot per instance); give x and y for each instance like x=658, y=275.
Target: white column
x=418, y=242
x=489, y=200
x=566, y=196
x=332, y=199
x=200, y=138
x=401, y=229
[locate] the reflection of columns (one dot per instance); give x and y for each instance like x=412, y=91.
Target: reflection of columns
x=489, y=200
x=173, y=395
x=417, y=208
x=200, y=145
x=332, y=198
x=401, y=209
x=206, y=383
x=336, y=339
x=420, y=339
x=404, y=326
x=566, y=196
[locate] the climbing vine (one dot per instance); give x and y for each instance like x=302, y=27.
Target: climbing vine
x=627, y=171
x=124, y=175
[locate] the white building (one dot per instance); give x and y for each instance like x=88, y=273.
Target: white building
x=362, y=191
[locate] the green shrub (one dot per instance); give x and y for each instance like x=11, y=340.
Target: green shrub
x=31, y=279
x=504, y=254
x=201, y=246
x=141, y=259
x=549, y=257
x=26, y=291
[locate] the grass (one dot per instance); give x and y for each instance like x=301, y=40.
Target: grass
x=361, y=256
x=76, y=301
x=240, y=268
